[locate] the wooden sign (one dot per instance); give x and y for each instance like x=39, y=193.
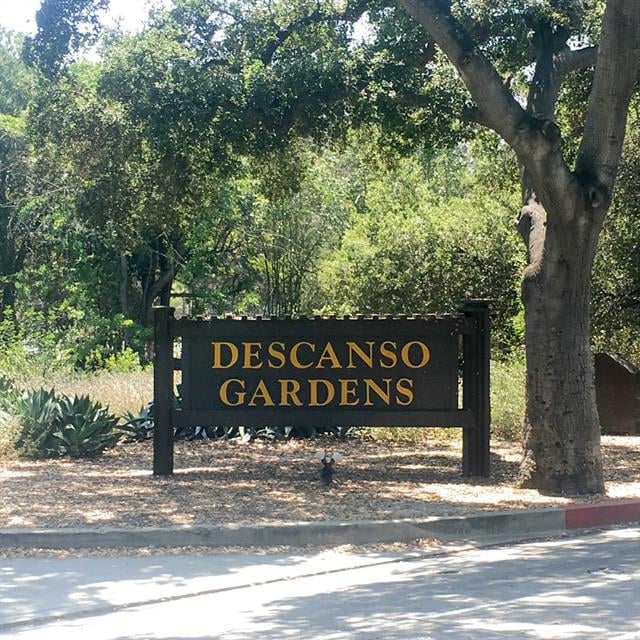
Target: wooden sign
x=312, y=372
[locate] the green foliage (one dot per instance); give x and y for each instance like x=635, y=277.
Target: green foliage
x=624, y=341
x=15, y=80
x=124, y=361
x=9, y=394
x=84, y=429
x=616, y=276
x=64, y=26
x=414, y=251
x=28, y=352
x=266, y=157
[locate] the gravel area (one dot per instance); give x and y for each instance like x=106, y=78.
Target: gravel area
x=263, y=482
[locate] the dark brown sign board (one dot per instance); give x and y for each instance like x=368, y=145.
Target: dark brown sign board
x=339, y=372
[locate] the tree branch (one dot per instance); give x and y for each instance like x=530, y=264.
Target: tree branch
x=500, y=109
x=613, y=85
x=162, y=281
x=412, y=100
x=572, y=60
x=471, y=113
x=352, y=13
x=535, y=141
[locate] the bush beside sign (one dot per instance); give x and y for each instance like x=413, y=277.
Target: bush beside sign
x=312, y=372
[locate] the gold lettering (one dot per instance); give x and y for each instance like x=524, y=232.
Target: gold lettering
x=294, y=355
x=372, y=385
x=386, y=352
x=329, y=353
x=313, y=390
x=404, y=387
x=261, y=393
x=217, y=355
x=289, y=390
x=250, y=354
x=347, y=390
x=406, y=350
x=239, y=395
x=367, y=358
x=278, y=355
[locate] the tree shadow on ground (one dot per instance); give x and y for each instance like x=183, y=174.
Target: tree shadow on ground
x=217, y=482
x=580, y=589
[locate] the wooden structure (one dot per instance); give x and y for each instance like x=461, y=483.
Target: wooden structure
x=374, y=371
x=618, y=395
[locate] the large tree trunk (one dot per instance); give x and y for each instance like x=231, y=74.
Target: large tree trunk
x=562, y=451
x=124, y=285
x=561, y=430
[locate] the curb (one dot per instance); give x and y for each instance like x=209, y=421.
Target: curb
x=502, y=523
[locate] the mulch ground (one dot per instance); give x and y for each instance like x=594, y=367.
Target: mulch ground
x=264, y=482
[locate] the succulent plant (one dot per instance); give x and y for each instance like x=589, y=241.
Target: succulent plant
x=84, y=428
x=138, y=427
x=38, y=411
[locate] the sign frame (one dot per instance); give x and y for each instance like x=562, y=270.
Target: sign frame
x=471, y=327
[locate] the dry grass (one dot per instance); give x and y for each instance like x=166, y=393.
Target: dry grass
x=217, y=482
x=120, y=392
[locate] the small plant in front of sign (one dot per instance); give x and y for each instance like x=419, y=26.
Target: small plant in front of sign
x=328, y=465
x=137, y=428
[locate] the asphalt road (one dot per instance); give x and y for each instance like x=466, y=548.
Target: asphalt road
x=581, y=587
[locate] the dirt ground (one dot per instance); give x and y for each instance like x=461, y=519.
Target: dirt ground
x=260, y=482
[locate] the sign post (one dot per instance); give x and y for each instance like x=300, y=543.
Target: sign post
x=475, y=391
x=162, y=392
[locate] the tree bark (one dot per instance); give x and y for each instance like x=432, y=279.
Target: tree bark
x=124, y=285
x=561, y=429
x=560, y=223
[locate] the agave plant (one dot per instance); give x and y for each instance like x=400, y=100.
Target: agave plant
x=138, y=427
x=84, y=429
x=38, y=411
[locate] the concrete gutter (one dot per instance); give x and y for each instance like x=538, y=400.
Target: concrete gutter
x=521, y=523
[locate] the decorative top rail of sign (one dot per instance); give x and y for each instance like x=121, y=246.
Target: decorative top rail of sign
x=355, y=370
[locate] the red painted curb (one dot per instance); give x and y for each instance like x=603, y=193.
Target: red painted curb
x=580, y=516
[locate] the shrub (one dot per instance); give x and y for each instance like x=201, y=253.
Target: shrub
x=124, y=361
x=28, y=353
x=9, y=394
x=428, y=259
x=9, y=434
